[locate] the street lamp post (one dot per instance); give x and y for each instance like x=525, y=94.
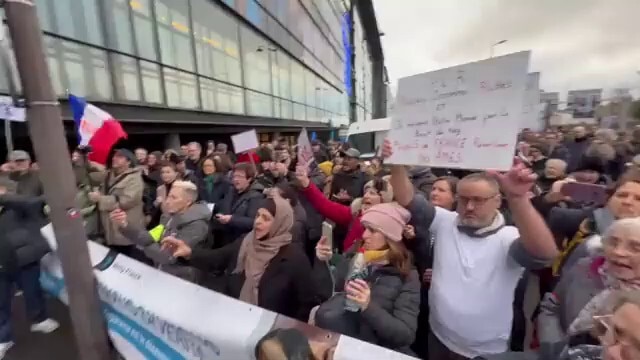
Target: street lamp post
x=494, y=45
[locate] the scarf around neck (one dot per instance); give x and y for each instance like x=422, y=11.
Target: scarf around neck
x=497, y=224
x=376, y=256
x=256, y=254
x=210, y=181
x=599, y=304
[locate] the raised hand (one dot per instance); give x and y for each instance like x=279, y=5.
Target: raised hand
x=516, y=182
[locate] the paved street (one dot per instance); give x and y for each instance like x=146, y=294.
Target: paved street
x=30, y=346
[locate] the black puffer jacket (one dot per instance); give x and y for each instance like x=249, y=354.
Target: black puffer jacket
x=390, y=320
x=21, y=218
x=242, y=208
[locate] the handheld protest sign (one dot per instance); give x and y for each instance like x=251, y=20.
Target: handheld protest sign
x=463, y=117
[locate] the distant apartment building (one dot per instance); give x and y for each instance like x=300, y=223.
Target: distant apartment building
x=552, y=99
x=583, y=103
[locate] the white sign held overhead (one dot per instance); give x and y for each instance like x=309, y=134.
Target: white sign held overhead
x=464, y=117
x=10, y=112
x=245, y=141
x=305, y=153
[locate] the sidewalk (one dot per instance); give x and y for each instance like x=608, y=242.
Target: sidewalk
x=34, y=346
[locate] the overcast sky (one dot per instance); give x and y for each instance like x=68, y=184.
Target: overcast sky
x=576, y=44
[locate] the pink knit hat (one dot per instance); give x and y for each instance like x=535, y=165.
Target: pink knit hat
x=388, y=218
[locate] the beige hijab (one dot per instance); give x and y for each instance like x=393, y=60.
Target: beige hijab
x=255, y=255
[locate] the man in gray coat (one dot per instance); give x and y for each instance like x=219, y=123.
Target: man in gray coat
x=183, y=218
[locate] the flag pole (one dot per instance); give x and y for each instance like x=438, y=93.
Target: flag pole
x=49, y=141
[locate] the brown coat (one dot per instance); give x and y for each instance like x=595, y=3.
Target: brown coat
x=125, y=192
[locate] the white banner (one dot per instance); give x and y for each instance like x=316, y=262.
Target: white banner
x=153, y=315
x=466, y=116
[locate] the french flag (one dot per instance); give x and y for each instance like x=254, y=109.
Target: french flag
x=96, y=128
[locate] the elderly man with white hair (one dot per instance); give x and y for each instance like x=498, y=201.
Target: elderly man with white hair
x=183, y=218
x=554, y=170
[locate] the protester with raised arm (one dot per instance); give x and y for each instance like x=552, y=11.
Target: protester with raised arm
x=478, y=260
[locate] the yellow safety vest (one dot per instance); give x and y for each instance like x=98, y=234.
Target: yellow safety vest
x=157, y=232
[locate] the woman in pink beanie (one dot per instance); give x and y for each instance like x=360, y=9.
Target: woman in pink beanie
x=389, y=295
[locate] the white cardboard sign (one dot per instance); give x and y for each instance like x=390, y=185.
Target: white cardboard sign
x=245, y=141
x=464, y=117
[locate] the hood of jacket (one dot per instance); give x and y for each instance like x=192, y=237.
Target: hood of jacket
x=197, y=211
x=256, y=186
x=124, y=173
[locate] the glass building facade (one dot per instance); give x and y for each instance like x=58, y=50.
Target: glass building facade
x=280, y=59
x=363, y=71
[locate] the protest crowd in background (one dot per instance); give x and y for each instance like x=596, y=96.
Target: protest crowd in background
x=447, y=253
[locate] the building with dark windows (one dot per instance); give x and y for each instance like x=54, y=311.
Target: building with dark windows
x=202, y=68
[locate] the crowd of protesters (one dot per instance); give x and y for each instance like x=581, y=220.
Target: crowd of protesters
x=448, y=253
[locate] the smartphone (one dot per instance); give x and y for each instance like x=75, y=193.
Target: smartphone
x=327, y=231
x=585, y=193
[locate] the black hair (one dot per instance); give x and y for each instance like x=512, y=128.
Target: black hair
x=295, y=345
x=288, y=193
x=379, y=184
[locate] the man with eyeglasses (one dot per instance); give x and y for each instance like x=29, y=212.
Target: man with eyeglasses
x=478, y=259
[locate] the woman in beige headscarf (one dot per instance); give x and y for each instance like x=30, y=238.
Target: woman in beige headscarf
x=264, y=268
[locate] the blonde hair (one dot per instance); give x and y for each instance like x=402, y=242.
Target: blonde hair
x=188, y=187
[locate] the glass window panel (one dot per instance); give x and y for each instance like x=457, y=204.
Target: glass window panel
x=86, y=71
x=143, y=29
x=255, y=54
x=119, y=25
x=4, y=81
x=77, y=19
x=151, y=82
x=174, y=33
x=286, y=109
x=258, y=104
x=44, y=15
x=275, y=73
x=284, y=75
x=256, y=15
x=216, y=38
x=181, y=89
x=310, y=83
x=53, y=62
x=229, y=99
x=64, y=17
x=126, y=78
x=276, y=108
x=297, y=82
x=299, y=112
x=208, y=93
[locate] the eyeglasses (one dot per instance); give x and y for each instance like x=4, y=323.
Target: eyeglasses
x=610, y=336
x=475, y=200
